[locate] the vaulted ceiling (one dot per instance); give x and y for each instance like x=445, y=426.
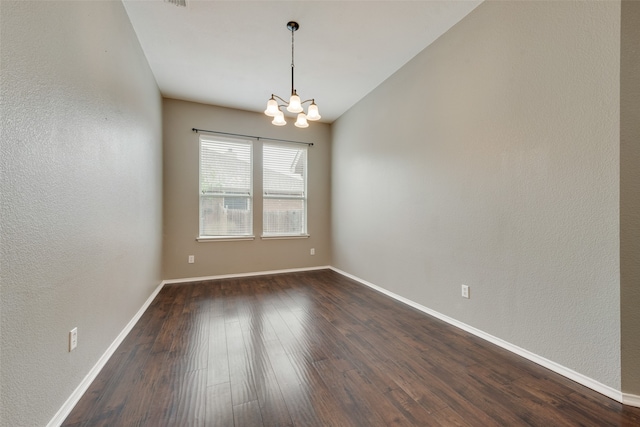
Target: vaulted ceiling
x=237, y=53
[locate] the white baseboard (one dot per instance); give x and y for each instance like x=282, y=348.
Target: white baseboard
x=71, y=402
x=631, y=399
x=627, y=399
x=256, y=273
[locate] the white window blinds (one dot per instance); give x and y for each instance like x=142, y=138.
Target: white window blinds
x=225, y=187
x=284, y=174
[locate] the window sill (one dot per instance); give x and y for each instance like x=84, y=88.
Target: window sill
x=224, y=238
x=297, y=236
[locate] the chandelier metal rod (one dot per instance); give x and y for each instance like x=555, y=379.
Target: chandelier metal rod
x=293, y=89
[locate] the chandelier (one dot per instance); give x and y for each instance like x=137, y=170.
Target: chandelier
x=294, y=105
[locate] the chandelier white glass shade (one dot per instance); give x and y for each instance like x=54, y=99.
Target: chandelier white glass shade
x=294, y=105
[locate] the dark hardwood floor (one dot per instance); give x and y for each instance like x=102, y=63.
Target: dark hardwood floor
x=318, y=349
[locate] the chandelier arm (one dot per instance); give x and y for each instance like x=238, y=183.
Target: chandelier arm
x=283, y=100
x=308, y=100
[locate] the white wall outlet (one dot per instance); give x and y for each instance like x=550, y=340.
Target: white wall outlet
x=465, y=291
x=73, y=339
x=192, y=259
x=312, y=251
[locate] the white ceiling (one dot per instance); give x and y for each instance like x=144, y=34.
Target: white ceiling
x=237, y=53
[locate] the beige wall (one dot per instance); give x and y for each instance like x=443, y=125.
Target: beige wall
x=492, y=160
x=80, y=195
x=181, y=196
x=630, y=195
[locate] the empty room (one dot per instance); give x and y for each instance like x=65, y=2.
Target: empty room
x=319, y=213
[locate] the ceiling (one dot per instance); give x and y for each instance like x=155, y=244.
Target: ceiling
x=237, y=53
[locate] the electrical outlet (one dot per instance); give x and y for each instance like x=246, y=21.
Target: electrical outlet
x=465, y=291
x=192, y=259
x=312, y=251
x=73, y=339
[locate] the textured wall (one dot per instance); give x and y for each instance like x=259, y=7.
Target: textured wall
x=630, y=195
x=181, y=196
x=80, y=192
x=492, y=159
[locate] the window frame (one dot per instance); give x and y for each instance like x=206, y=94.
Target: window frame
x=250, y=196
x=305, y=197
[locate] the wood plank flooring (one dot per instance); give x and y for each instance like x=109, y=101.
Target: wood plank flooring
x=318, y=349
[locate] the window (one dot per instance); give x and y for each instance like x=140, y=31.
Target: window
x=284, y=174
x=225, y=187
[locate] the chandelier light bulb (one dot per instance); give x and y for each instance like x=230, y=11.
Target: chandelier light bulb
x=312, y=113
x=302, y=121
x=295, y=106
x=278, y=119
x=272, y=107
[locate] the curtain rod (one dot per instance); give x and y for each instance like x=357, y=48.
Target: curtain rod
x=250, y=136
